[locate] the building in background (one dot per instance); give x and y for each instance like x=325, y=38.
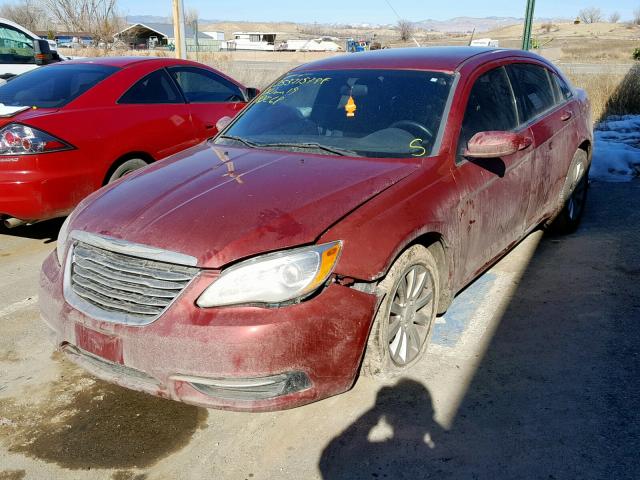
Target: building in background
x=215, y=35
x=143, y=36
x=69, y=39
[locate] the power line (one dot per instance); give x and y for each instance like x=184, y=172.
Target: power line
x=400, y=19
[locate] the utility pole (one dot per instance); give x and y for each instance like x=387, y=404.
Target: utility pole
x=178, y=29
x=528, y=24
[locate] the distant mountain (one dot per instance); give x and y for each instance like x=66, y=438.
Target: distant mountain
x=148, y=19
x=160, y=19
x=453, y=25
x=467, y=24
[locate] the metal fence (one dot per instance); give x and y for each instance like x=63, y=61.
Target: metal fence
x=203, y=45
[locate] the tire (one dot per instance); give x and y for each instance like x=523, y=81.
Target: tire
x=125, y=168
x=574, y=195
x=401, y=330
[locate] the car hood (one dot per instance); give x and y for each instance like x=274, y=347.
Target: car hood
x=221, y=204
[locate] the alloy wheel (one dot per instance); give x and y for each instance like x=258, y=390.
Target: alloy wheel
x=575, y=203
x=410, y=315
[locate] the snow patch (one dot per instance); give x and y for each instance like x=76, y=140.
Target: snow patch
x=616, y=153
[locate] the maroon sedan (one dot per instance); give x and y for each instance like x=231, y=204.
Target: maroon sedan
x=321, y=232
x=68, y=129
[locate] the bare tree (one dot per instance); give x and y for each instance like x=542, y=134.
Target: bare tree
x=614, y=17
x=28, y=13
x=406, y=30
x=98, y=17
x=191, y=15
x=590, y=15
x=636, y=16
x=547, y=27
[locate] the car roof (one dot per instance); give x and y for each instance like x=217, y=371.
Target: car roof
x=420, y=58
x=122, y=62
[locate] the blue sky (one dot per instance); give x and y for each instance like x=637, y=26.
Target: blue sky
x=372, y=11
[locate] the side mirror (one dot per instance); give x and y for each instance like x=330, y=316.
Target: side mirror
x=252, y=93
x=495, y=144
x=222, y=123
x=42, y=52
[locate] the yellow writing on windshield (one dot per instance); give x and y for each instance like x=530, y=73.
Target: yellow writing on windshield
x=288, y=86
x=302, y=80
x=416, y=144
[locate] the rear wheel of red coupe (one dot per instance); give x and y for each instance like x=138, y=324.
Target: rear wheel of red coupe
x=125, y=168
x=574, y=195
x=402, y=327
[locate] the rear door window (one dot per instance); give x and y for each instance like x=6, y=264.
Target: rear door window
x=203, y=86
x=562, y=90
x=533, y=89
x=53, y=86
x=491, y=106
x=155, y=88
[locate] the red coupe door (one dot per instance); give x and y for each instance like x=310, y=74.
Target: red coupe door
x=152, y=117
x=495, y=192
x=210, y=97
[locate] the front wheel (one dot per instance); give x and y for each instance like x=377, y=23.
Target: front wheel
x=402, y=327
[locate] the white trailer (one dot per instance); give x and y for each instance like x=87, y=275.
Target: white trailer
x=485, y=42
x=262, y=41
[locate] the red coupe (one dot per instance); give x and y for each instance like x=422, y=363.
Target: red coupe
x=70, y=128
x=321, y=232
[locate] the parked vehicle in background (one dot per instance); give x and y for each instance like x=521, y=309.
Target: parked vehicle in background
x=70, y=128
x=485, y=42
x=264, y=41
x=319, y=234
x=22, y=50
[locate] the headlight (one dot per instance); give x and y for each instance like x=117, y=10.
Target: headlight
x=63, y=237
x=273, y=278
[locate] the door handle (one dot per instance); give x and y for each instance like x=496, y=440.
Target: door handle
x=209, y=126
x=566, y=116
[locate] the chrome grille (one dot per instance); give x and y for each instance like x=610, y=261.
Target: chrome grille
x=135, y=288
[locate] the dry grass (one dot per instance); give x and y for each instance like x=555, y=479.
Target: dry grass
x=626, y=98
x=611, y=94
x=599, y=50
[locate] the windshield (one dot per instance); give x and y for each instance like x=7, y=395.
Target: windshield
x=53, y=86
x=371, y=113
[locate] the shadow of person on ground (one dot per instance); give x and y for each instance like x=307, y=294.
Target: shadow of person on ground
x=397, y=438
x=555, y=394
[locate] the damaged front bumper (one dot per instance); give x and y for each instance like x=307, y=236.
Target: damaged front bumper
x=237, y=358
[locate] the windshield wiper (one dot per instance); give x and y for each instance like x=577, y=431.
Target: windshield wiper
x=246, y=143
x=316, y=146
